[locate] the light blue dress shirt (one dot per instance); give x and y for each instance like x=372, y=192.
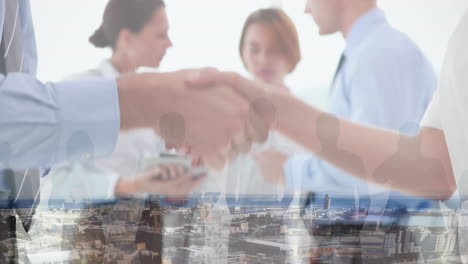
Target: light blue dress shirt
x=38, y=119
x=386, y=81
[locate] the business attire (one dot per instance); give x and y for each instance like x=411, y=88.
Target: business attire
x=97, y=179
x=130, y=150
x=52, y=111
x=383, y=80
x=448, y=112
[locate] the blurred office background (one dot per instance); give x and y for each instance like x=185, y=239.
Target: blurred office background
x=206, y=33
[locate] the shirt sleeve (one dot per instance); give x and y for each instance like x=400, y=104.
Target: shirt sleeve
x=387, y=89
x=391, y=88
x=39, y=119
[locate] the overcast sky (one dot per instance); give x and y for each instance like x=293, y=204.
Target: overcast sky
x=206, y=33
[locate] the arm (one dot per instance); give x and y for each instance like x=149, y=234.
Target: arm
x=388, y=88
x=209, y=121
x=388, y=158
x=38, y=119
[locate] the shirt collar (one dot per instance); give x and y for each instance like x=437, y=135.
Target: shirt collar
x=362, y=26
x=108, y=70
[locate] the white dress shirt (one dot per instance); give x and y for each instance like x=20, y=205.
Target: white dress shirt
x=448, y=112
x=385, y=81
x=131, y=147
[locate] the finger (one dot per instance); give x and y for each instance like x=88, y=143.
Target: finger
x=197, y=157
x=190, y=185
x=240, y=149
x=184, y=150
x=257, y=128
x=265, y=155
x=197, y=161
x=182, y=180
x=217, y=160
x=244, y=87
x=197, y=180
x=262, y=116
x=165, y=173
x=203, y=78
x=155, y=173
x=259, y=157
x=172, y=128
x=180, y=170
x=262, y=160
x=240, y=137
x=173, y=174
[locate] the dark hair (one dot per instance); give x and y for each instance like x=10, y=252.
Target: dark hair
x=123, y=14
x=284, y=28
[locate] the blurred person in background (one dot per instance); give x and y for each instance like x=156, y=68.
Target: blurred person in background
x=270, y=51
x=430, y=163
x=382, y=79
x=137, y=33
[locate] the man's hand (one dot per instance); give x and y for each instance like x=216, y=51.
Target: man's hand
x=271, y=164
x=170, y=180
x=262, y=112
x=211, y=121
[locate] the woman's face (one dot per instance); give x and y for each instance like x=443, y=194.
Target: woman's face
x=148, y=47
x=262, y=55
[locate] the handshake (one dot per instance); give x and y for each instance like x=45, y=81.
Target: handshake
x=217, y=115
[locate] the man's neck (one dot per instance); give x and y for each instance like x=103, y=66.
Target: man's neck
x=353, y=12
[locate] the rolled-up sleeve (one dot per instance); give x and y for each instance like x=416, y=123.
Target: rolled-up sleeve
x=37, y=120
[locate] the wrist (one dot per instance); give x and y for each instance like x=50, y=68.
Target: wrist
x=125, y=187
x=289, y=121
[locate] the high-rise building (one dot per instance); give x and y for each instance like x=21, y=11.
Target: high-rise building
x=326, y=202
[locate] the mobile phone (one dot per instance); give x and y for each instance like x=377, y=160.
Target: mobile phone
x=165, y=158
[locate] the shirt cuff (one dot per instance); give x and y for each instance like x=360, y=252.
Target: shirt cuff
x=88, y=108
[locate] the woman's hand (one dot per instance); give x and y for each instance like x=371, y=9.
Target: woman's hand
x=170, y=180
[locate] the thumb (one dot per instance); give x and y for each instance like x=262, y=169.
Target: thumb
x=246, y=88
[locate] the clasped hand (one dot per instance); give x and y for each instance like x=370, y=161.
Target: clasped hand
x=217, y=114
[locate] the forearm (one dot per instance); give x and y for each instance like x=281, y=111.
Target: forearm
x=418, y=165
x=39, y=121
